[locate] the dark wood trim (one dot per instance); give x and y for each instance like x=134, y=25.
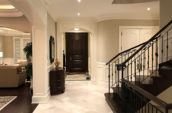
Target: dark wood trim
x=23, y=102
x=124, y=52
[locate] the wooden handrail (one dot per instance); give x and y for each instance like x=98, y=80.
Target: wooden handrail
x=147, y=94
x=156, y=36
x=124, y=52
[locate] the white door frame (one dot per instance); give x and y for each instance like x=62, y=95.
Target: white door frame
x=136, y=27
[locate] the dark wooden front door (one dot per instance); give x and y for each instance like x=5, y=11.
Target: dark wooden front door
x=77, y=52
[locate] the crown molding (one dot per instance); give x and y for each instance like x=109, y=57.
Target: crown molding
x=130, y=1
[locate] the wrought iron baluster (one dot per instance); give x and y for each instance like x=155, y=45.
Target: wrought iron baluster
x=139, y=67
x=109, y=79
x=128, y=69
x=156, y=110
x=141, y=64
x=148, y=58
x=112, y=74
x=127, y=72
x=144, y=63
x=115, y=74
x=156, y=54
x=162, y=50
x=118, y=76
x=152, y=55
x=135, y=69
x=167, y=46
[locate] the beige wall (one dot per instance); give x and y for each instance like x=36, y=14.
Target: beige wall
x=50, y=32
x=108, y=36
x=165, y=11
x=7, y=46
x=18, y=23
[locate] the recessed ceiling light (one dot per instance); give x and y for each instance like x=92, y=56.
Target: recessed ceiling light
x=148, y=9
x=79, y=1
x=7, y=7
x=78, y=14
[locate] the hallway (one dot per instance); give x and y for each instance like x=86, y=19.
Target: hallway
x=79, y=97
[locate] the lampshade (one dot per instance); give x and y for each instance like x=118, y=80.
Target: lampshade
x=1, y=54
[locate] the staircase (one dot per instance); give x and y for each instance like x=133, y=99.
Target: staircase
x=162, y=81
x=138, y=75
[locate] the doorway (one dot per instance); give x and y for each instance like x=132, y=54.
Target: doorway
x=76, y=52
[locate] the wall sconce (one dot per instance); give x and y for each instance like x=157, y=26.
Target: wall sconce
x=1, y=54
x=76, y=28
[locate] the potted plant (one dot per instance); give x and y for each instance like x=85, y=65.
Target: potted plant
x=28, y=51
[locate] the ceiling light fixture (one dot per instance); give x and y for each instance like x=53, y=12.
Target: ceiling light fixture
x=7, y=7
x=76, y=28
x=148, y=9
x=79, y=1
x=78, y=14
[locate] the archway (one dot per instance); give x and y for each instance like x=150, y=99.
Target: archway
x=37, y=15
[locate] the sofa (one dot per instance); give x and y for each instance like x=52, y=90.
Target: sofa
x=11, y=76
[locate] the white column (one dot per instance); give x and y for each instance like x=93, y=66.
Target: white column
x=40, y=67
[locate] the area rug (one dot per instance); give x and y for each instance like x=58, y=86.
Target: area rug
x=5, y=100
x=77, y=77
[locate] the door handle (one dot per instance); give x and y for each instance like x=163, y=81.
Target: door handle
x=70, y=58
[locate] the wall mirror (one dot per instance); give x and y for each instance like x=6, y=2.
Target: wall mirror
x=52, y=49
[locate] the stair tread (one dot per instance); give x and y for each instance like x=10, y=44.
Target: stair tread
x=117, y=104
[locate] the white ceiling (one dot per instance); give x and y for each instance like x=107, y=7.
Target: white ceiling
x=11, y=32
x=101, y=9
x=97, y=9
x=9, y=12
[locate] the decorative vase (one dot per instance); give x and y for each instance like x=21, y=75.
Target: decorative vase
x=56, y=64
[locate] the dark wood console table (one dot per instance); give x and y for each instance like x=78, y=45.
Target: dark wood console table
x=57, y=81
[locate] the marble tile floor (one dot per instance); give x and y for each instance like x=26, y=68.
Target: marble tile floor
x=79, y=97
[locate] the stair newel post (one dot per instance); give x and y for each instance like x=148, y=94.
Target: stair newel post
x=109, y=77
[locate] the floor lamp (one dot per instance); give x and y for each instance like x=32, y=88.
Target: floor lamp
x=1, y=56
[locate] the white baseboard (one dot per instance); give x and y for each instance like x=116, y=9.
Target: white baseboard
x=40, y=97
